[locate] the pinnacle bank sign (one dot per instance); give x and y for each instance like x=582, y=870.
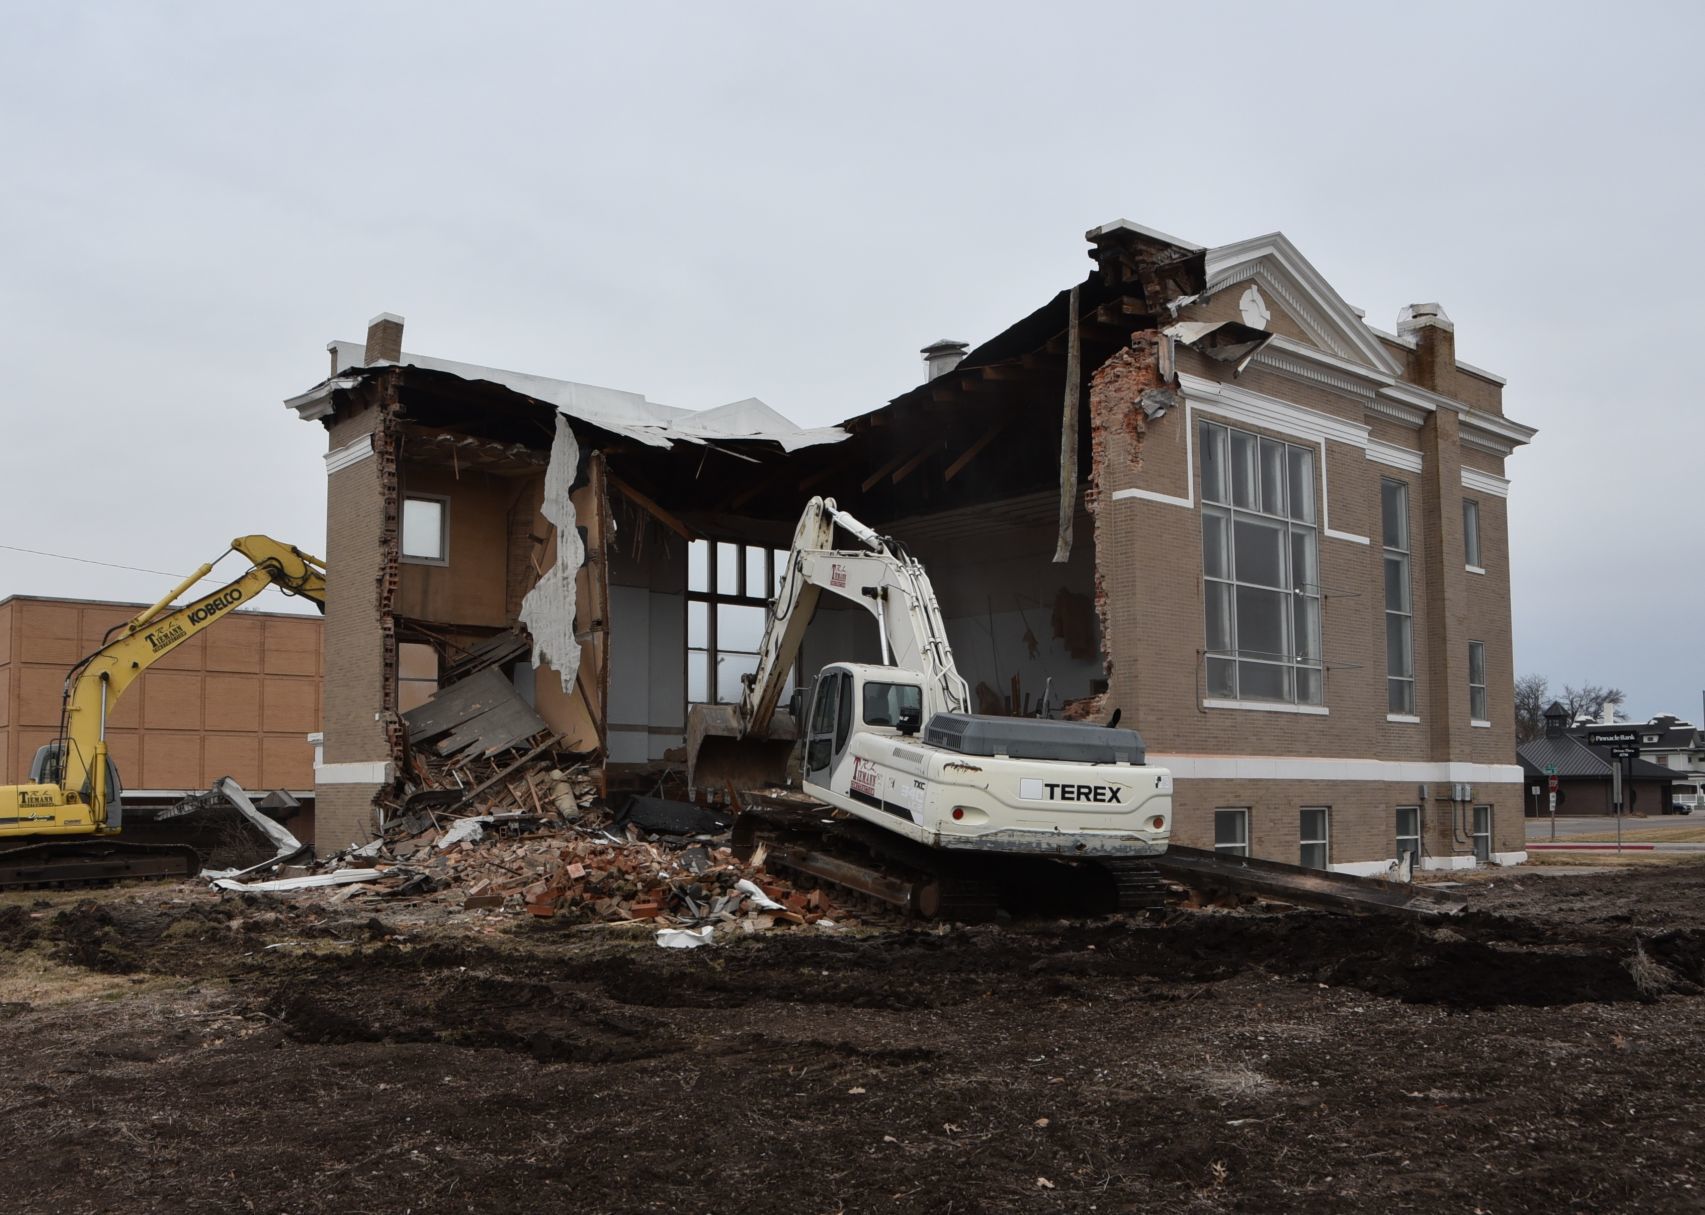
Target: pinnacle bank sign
x=1614, y=738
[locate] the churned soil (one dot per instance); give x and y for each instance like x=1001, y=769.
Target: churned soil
x=174, y=1050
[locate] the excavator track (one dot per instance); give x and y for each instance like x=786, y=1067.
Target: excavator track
x=931, y=884
x=93, y=862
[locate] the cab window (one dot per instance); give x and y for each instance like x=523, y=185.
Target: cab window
x=883, y=702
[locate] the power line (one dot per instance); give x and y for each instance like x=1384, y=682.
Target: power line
x=135, y=569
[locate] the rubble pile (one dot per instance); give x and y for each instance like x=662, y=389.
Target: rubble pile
x=547, y=867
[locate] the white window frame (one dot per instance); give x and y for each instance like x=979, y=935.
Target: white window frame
x=1401, y=835
x=1235, y=847
x=1482, y=838
x=1323, y=841
x=1291, y=511
x=1471, y=555
x=1398, y=674
x=443, y=503
x=712, y=596
x=1478, y=713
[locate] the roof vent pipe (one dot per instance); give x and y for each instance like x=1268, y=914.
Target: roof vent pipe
x=943, y=356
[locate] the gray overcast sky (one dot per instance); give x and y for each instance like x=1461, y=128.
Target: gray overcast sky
x=707, y=202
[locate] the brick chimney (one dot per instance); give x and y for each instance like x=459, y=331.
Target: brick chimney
x=384, y=339
x=943, y=356
x=1435, y=343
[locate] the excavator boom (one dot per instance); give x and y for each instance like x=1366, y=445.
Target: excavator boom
x=72, y=789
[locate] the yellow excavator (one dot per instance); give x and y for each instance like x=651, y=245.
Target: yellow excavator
x=61, y=826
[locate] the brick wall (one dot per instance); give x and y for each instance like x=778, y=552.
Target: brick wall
x=238, y=700
x=1150, y=560
x=355, y=642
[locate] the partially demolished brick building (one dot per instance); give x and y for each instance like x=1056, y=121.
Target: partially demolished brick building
x=1197, y=487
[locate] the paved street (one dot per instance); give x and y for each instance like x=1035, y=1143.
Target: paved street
x=1644, y=830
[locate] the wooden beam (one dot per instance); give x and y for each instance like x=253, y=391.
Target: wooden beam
x=650, y=507
x=887, y=468
x=905, y=470
x=973, y=451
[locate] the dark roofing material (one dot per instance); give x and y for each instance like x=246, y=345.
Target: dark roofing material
x=1574, y=758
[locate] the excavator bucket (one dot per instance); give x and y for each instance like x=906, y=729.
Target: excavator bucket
x=718, y=758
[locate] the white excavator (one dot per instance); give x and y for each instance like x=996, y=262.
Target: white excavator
x=947, y=811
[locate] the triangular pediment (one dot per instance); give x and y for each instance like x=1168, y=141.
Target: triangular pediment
x=1291, y=285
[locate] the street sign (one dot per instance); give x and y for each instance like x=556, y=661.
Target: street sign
x=1551, y=769
x=1614, y=738
x=1625, y=752
x=1553, y=803
x=1552, y=782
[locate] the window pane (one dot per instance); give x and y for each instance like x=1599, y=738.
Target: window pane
x=1302, y=484
x=423, y=528
x=1231, y=827
x=1304, y=575
x=1262, y=623
x=1308, y=686
x=823, y=707
x=1397, y=654
x=1259, y=555
x=1400, y=696
x=1217, y=598
x=1476, y=662
x=729, y=668
x=778, y=563
x=1305, y=610
x=698, y=565
x=1396, y=584
x=1243, y=469
x=739, y=628
x=698, y=686
x=1314, y=823
x=1394, y=504
x=1263, y=681
x=727, y=569
x=698, y=624
x=756, y=579
x=1273, y=477
x=1408, y=822
x=1313, y=856
x=1477, y=704
x=1471, y=531
x=1215, y=559
x=1222, y=678
x=1213, y=462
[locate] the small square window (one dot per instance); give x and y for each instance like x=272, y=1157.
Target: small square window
x=425, y=528
x=1231, y=832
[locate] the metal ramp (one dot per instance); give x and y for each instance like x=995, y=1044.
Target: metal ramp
x=1212, y=873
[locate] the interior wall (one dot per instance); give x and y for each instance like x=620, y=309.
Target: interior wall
x=648, y=639
x=1010, y=611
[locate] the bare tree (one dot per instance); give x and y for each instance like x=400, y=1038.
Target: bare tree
x=1589, y=701
x=1533, y=697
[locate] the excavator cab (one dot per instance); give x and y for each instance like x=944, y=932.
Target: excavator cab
x=48, y=768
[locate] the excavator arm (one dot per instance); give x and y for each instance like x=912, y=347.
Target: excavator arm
x=96, y=682
x=882, y=578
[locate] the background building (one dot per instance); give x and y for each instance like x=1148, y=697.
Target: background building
x=238, y=700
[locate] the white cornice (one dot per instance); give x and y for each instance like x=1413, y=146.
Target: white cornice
x=1394, y=456
x=316, y=403
x=1486, y=483
x=353, y=452
x=1282, y=417
x=1408, y=415
x=1491, y=446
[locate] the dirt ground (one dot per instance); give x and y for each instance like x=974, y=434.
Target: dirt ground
x=171, y=1049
